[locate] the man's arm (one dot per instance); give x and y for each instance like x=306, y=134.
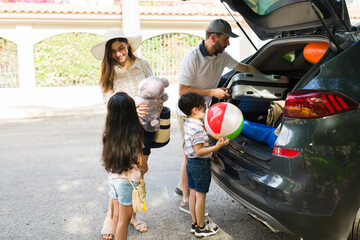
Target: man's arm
x=219, y=93
x=246, y=68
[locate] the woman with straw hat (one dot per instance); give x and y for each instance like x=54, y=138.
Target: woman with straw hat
x=121, y=70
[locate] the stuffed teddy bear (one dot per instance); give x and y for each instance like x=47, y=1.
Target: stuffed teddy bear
x=151, y=93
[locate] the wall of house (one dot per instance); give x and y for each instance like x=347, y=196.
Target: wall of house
x=28, y=29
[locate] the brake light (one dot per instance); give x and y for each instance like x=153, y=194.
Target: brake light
x=317, y=104
x=285, y=152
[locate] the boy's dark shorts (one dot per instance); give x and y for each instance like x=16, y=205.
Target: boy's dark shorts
x=199, y=174
x=148, y=139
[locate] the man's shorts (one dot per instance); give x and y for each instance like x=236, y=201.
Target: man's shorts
x=181, y=119
x=199, y=174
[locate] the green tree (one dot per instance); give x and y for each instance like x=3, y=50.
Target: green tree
x=66, y=60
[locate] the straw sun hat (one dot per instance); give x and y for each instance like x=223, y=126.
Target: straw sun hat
x=99, y=49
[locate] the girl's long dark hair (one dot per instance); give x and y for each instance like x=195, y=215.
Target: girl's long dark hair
x=107, y=66
x=123, y=134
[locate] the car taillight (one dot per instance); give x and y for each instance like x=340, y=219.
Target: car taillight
x=285, y=152
x=317, y=104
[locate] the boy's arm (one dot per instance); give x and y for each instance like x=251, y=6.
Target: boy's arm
x=201, y=150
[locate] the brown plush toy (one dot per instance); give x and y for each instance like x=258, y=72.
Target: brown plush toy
x=152, y=93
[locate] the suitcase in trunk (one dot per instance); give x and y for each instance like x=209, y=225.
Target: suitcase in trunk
x=254, y=92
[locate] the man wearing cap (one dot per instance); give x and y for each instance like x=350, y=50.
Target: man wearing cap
x=200, y=72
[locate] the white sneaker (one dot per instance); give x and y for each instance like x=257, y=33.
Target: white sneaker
x=206, y=231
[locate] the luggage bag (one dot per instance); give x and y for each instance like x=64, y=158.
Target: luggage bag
x=254, y=92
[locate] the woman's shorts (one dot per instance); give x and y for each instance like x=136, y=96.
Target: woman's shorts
x=148, y=139
x=121, y=189
x=199, y=174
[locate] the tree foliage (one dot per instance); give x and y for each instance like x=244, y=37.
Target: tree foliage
x=8, y=64
x=66, y=60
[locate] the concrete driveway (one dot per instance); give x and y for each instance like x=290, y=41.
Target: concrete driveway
x=53, y=185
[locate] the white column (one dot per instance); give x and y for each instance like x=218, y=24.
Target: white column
x=25, y=56
x=130, y=17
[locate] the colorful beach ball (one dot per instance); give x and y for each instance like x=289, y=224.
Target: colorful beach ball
x=224, y=120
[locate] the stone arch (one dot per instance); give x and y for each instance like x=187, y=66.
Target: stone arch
x=43, y=35
x=165, y=52
x=9, y=69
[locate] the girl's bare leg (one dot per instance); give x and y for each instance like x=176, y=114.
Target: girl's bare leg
x=115, y=215
x=108, y=220
x=124, y=216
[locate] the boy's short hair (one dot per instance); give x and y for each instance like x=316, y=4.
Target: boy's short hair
x=189, y=101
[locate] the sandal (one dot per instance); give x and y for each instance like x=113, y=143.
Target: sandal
x=107, y=231
x=140, y=226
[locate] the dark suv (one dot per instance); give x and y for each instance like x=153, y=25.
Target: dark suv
x=308, y=184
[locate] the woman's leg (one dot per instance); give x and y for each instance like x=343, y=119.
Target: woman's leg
x=139, y=225
x=123, y=221
x=148, y=138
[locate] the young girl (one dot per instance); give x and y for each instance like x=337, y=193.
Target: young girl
x=122, y=152
x=122, y=70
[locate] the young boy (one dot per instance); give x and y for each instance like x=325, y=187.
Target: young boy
x=198, y=152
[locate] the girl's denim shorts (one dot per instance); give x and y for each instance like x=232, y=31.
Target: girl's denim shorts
x=199, y=174
x=121, y=189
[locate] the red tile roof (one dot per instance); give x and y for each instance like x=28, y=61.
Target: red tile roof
x=169, y=9
x=49, y=8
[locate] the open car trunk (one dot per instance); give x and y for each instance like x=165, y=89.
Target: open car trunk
x=282, y=57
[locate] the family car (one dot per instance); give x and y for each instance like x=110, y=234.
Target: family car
x=308, y=183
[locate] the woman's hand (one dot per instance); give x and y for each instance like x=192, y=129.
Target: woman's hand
x=144, y=169
x=142, y=164
x=161, y=105
x=142, y=110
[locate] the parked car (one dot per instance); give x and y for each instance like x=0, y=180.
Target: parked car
x=308, y=184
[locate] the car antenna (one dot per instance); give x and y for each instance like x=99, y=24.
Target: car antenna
x=331, y=36
x=238, y=24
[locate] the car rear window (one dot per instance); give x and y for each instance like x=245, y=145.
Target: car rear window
x=263, y=7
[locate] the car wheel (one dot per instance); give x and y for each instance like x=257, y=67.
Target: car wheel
x=355, y=231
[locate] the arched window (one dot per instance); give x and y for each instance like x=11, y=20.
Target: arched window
x=165, y=52
x=9, y=72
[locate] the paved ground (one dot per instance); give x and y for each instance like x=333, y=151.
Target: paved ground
x=53, y=185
